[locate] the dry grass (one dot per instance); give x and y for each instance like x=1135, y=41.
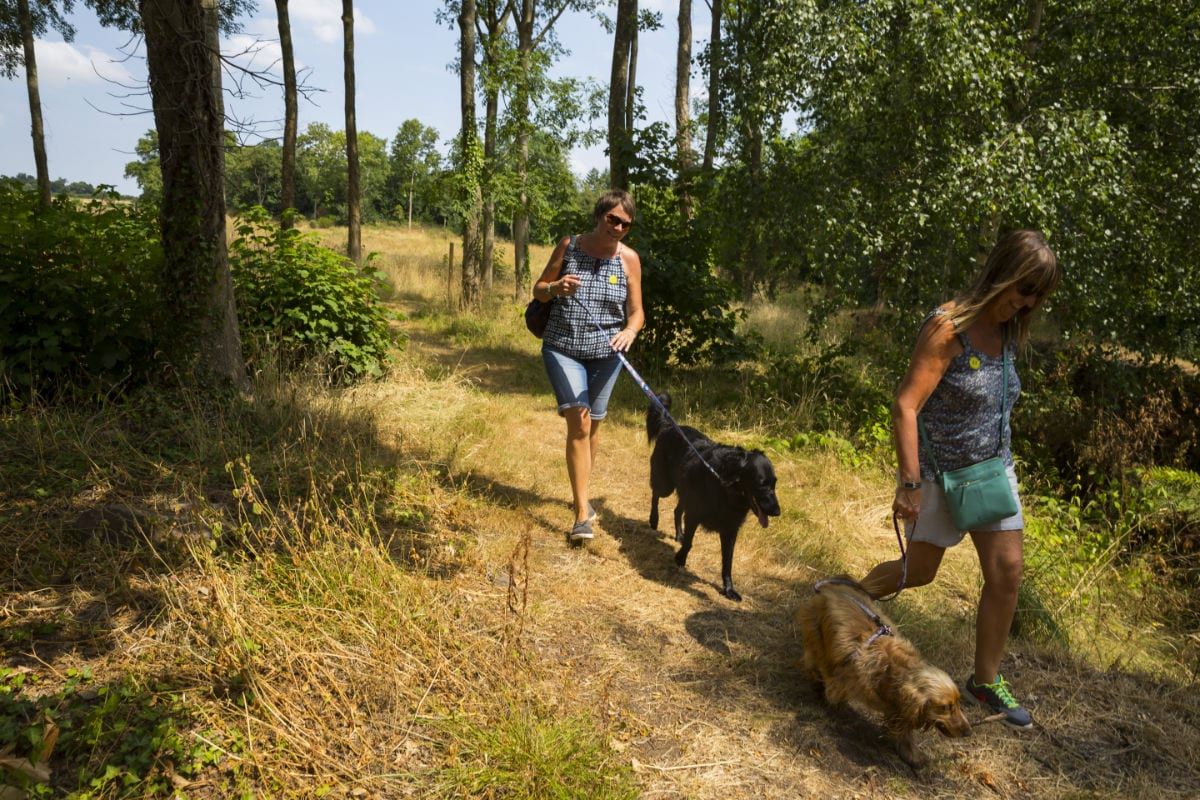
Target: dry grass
x=366, y=592
x=415, y=260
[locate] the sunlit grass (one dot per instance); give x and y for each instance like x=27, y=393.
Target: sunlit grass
x=328, y=590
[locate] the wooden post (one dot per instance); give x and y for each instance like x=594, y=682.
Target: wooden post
x=450, y=277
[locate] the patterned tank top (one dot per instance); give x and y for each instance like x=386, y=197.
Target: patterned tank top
x=603, y=288
x=962, y=416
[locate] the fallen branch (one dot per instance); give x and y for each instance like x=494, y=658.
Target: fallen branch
x=639, y=765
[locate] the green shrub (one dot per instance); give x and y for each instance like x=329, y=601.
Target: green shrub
x=79, y=291
x=307, y=299
x=689, y=319
x=1093, y=416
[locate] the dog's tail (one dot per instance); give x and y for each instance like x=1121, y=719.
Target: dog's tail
x=655, y=420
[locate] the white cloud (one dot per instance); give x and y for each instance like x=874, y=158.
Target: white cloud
x=61, y=63
x=583, y=160
x=324, y=19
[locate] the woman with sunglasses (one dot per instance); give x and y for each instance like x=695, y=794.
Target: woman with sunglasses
x=595, y=285
x=954, y=382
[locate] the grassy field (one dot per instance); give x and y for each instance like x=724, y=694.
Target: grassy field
x=365, y=592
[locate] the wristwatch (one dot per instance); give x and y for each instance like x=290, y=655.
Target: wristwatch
x=910, y=485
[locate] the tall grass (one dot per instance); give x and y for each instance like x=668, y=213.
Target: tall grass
x=288, y=576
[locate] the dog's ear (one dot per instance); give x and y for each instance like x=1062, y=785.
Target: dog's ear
x=927, y=714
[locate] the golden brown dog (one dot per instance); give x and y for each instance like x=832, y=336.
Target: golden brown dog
x=856, y=654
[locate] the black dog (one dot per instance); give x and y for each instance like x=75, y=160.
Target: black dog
x=746, y=483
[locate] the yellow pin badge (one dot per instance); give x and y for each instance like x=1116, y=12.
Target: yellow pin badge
x=612, y=279
x=975, y=362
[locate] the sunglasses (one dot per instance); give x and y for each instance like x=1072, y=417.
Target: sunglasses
x=1029, y=290
x=617, y=222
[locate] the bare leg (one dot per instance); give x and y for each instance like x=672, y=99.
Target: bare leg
x=593, y=449
x=594, y=440
x=1001, y=560
x=580, y=446
x=923, y=562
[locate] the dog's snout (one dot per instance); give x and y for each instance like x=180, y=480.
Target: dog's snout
x=958, y=726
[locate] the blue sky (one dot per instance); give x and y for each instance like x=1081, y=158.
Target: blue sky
x=402, y=58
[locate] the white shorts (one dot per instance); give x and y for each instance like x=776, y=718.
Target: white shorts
x=934, y=525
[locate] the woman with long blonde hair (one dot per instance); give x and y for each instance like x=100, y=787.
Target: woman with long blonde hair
x=957, y=393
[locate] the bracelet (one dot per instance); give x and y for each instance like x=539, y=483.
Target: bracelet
x=549, y=289
x=910, y=485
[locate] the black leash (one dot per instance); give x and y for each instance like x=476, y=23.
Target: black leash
x=903, y=559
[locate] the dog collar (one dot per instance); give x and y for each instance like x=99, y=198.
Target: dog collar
x=882, y=629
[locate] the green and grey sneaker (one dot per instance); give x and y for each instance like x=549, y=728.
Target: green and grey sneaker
x=997, y=697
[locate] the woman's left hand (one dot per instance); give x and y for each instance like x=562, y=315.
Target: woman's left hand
x=623, y=340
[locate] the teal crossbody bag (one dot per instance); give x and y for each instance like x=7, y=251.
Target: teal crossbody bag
x=978, y=494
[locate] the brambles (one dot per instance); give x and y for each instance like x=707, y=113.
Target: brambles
x=79, y=292
x=306, y=299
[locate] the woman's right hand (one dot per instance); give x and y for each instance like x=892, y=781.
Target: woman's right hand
x=907, y=503
x=565, y=286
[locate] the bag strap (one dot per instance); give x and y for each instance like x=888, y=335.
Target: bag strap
x=923, y=436
x=1003, y=392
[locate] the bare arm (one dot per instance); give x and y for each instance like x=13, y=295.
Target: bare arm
x=635, y=316
x=936, y=347
x=549, y=285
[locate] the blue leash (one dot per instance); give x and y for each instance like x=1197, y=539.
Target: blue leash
x=645, y=387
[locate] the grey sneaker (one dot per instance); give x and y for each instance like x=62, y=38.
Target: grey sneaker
x=581, y=532
x=591, y=515
x=997, y=697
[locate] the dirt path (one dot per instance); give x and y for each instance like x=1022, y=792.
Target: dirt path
x=702, y=694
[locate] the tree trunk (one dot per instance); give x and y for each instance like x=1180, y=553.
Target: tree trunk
x=1033, y=27
x=25, y=21
x=521, y=112
x=631, y=89
x=287, y=180
x=488, y=254
x=489, y=201
x=618, y=95
x=353, y=179
x=471, y=158
x=683, y=125
x=212, y=40
x=714, y=88
x=185, y=91
x=495, y=21
x=754, y=265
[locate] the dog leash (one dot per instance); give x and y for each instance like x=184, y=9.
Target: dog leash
x=646, y=390
x=903, y=559
x=881, y=627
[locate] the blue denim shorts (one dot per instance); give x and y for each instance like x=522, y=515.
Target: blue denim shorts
x=582, y=384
